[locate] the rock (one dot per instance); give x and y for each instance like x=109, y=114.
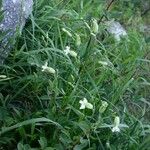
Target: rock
x=15, y=14
x=116, y=29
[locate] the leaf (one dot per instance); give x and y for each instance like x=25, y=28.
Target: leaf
x=65, y=138
x=85, y=126
x=84, y=143
x=145, y=144
x=43, y=142
x=49, y=148
x=27, y=147
x=20, y=146
x=77, y=112
x=27, y=122
x=3, y=113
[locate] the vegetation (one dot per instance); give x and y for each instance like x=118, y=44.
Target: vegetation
x=68, y=84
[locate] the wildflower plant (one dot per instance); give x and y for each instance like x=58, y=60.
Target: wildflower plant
x=69, y=84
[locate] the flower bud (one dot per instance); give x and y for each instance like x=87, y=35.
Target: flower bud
x=116, y=121
x=50, y=70
x=47, y=69
x=78, y=40
x=73, y=53
x=103, y=106
x=67, y=32
x=116, y=125
x=94, y=26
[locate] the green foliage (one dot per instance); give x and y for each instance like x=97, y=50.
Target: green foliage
x=39, y=104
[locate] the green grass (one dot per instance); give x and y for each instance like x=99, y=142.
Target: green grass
x=41, y=110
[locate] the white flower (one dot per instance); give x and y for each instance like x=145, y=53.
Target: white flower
x=116, y=125
x=70, y=52
x=67, y=50
x=85, y=104
x=45, y=68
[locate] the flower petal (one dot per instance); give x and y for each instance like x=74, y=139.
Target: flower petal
x=89, y=106
x=115, y=129
x=81, y=102
x=85, y=100
x=82, y=106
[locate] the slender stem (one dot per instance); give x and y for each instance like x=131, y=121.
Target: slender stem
x=90, y=39
x=107, y=8
x=145, y=12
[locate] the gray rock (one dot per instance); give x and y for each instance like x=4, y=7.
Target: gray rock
x=116, y=29
x=15, y=13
